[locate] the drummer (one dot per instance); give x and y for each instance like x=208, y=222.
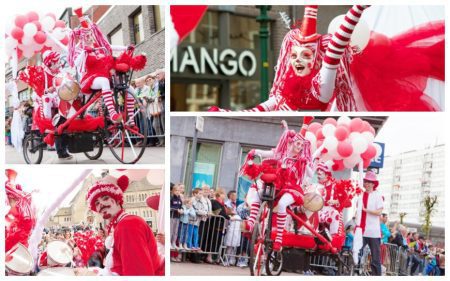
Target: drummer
x=132, y=246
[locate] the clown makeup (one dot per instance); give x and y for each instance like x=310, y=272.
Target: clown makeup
x=88, y=38
x=321, y=176
x=55, y=67
x=302, y=59
x=107, y=207
x=295, y=147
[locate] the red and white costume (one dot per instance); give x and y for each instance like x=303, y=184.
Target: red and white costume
x=391, y=73
x=21, y=217
x=296, y=167
x=132, y=246
x=94, y=63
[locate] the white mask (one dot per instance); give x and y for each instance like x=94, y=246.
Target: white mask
x=301, y=60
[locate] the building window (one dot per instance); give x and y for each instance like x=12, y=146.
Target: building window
x=206, y=167
x=207, y=31
x=159, y=17
x=137, y=27
x=244, y=32
x=116, y=38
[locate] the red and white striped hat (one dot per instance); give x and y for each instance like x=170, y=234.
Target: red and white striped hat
x=110, y=186
x=308, y=28
x=49, y=57
x=325, y=167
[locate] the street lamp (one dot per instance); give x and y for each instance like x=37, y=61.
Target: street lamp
x=263, y=20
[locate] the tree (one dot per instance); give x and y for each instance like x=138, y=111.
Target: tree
x=429, y=203
x=402, y=215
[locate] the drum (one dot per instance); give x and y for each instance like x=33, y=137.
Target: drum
x=58, y=253
x=57, y=271
x=18, y=261
x=313, y=201
x=68, y=90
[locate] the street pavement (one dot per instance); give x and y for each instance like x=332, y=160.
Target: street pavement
x=152, y=155
x=205, y=269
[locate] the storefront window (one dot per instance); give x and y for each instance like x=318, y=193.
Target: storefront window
x=244, y=94
x=193, y=97
x=206, y=167
x=243, y=32
x=207, y=32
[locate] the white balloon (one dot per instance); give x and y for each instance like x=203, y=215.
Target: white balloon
x=335, y=23
x=361, y=35
x=348, y=163
x=312, y=139
x=353, y=135
x=29, y=29
x=368, y=136
x=10, y=44
x=8, y=27
x=48, y=23
x=359, y=144
x=59, y=33
x=325, y=157
x=344, y=120
x=27, y=41
x=28, y=52
x=330, y=143
x=328, y=130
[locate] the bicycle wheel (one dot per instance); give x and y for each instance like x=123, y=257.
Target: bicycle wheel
x=33, y=149
x=126, y=142
x=346, y=265
x=98, y=148
x=274, y=263
x=257, y=244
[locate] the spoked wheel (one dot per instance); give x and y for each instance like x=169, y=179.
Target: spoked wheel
x=33, y=149
x=274, y=263
x=127, y=142
x=98, y=148
x=257, y=244
x=346, y=265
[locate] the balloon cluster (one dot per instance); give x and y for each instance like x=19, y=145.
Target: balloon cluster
x=345, y=141
x=87, y=242
x=31, y=34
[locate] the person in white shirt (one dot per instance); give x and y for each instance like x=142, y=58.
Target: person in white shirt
x=370, y=206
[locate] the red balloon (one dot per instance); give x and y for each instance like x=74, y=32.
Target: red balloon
x=345, y=149
x=366, y=163
x=38, y=25
x=341, y=133
x=20, y=21
x=40, y=37
x=65, y=40
x=314, y=126
x=372, y=130
x=356, y=125
x=45, y=48
x=330, y=121
x=153, y=202
x=319, y=143
x=324, y=151
x=370, y=152
x=32, y=16
x=338, y=165
x=366, y=126
x=319, y=134
x=19, y=53
x=17, y=33
x=60, y=23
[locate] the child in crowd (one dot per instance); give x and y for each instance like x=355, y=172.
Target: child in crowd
x=349, y=237
x=175, y=212
x=185, y=234
x=201, y=214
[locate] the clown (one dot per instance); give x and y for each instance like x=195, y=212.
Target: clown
x=330, y=213
x=310, y=69
x=293, y=150
x=132, y=246
x=91, y=54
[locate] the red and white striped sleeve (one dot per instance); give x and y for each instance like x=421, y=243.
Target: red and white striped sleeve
x=341, y=37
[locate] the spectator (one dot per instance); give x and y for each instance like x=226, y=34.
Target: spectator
x=175, y=212
x=201, y=211
x=417, y=250
x=233, y=235
x=243, y=211
x=143, y=92
x=385, y=233
x=349, y=236
x=185, y=235
x=441, y=262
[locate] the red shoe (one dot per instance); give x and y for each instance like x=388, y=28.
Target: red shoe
x=276, y=246
x=116, y=117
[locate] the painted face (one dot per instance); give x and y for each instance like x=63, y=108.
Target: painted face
x=89, y=38
x=107, y=207
x=321, y=176
x=302, y=59
x=55, y=67
x=296, y=147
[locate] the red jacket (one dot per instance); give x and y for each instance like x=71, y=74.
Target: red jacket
x=135, y=252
